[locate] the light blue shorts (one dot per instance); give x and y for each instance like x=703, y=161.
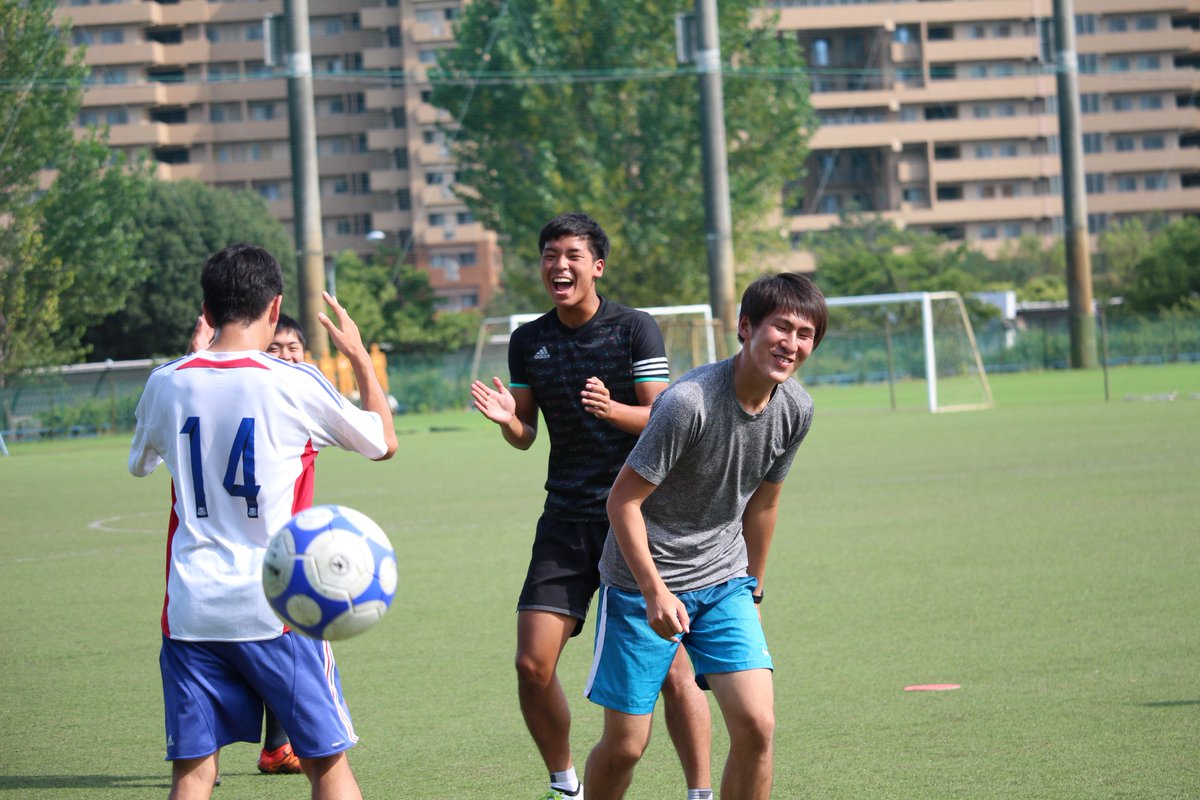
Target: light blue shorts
x=630, y=661
x=213, y=695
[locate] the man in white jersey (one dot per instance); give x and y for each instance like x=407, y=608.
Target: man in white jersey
x=238, y=431
x=692, y=513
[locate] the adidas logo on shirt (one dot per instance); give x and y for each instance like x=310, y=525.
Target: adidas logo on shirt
x=542, y=354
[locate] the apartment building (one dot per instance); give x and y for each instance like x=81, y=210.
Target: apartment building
x=188, y=82
x=942, y=115
x=938, y=114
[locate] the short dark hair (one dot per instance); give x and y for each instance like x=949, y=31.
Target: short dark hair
x=286, y=323
x=239, y=283
x=576, y=223
x=789, y=291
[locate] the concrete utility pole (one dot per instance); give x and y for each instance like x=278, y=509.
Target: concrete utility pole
x=306, y=194
x=1081, y=314
x=717, y=214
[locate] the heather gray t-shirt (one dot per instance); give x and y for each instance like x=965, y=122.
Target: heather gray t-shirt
x=707, y=455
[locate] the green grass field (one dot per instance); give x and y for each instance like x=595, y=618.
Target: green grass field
x=1045, y=555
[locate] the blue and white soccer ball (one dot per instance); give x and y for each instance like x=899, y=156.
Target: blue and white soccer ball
x=330, y=572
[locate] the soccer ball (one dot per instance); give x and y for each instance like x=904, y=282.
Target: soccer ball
x=330, y=572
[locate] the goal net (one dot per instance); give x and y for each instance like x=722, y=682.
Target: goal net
x=916, y=349
x=689, y=332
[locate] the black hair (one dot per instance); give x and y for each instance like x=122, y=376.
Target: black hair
x=789, y=291
x=576, y=223
x=286, y=323
x=239, y=283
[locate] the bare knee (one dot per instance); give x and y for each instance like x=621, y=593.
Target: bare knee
x=623, y=752
x=753, y=731
x=534, y=673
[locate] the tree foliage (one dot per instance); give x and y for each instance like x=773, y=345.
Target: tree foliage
x=183, y=223
x=1168, y=276
x=393, y=303
x=66, y=253
x=580, y=106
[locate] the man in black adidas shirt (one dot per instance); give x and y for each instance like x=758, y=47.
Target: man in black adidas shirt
x=593, y=367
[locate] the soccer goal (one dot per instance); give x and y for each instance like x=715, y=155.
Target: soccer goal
x=689, y=332
x=908, y=341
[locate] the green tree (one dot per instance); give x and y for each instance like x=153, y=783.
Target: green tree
x=185, y=222
x=1118, y=251
x=580, y=106
x=1168, y=276
x=394, y=303
x=66, y=254
x=870, y=255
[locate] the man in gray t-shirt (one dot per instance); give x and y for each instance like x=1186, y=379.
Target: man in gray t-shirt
x=692, y=514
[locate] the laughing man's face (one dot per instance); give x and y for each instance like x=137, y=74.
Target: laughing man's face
x=569, y=270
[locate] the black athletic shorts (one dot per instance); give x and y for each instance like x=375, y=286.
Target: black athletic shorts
x=564, y=568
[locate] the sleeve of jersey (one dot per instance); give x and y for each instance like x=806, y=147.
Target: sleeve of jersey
x=339, y=422
x=516, y=357
x=143, y=457
x=674, y=423
x=779, y=470
x=649, y=351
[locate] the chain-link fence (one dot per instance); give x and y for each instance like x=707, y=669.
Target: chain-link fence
x=87, y=399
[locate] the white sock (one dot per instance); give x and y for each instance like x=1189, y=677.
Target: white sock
x=700, y=794
x=565, y=781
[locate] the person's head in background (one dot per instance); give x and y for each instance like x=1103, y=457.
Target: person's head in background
x=288, y=342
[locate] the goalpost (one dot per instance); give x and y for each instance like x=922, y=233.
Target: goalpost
x=885, y=337
x=688, y=333
x=898, y=339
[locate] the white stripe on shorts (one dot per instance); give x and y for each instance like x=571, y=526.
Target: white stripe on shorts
x=601, y=625
x=343, y=713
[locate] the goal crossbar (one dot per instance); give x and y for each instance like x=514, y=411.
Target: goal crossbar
x=926, y=300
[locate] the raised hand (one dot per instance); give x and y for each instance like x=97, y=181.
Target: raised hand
x=497, y=404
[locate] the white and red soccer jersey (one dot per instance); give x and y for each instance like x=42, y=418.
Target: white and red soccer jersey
x=238, y=432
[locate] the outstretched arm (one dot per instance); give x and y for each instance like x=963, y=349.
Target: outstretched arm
x=349, y=343
x=514, y=411
x=631, y=419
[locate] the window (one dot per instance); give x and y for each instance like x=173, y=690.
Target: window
x=983, y=151
x=1154, y=142
x=988, y=232
x=113, y=76
x=269, y=191
x=464, y=218
x=223, y=70
x=1003, y=70
x=1085, y=24
x=1124, y=144
x=88, y=117
x=1122, y=102
x=978, y=71
x=1006, y=110
x=427, y=56
x=949, y=193
x=225, y=112
x=1013, y=230
x=437, y=220
x=1145, y=23
x=1089, y=103
x=1148, y=63
x=403, y=199
x=262, y=110
x=1117, y=24
x=981, y=111
x=1118, y=64
x=1155, y=183
x=1089, y=62
x=1009, y=150
x=1127, y=183
x=1150, y=102
x=1093, y=183
x=112, y=36
x=400, y=158
x=1096, y=223
x=82, y=36
x=830, y=204
x=915, y=195
x=1093, y=143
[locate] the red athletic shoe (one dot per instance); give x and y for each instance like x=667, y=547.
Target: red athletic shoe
x=281, y=761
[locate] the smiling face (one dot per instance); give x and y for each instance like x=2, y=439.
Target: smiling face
x=569, y=273
x=287, y=345
x=776, y=347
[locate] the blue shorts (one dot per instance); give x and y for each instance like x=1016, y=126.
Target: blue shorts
x=213, y=695
x=631, y=661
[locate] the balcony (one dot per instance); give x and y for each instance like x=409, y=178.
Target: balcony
x=964, y=50
x=977, y=169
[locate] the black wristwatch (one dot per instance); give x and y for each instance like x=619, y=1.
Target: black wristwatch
x=758, y=597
